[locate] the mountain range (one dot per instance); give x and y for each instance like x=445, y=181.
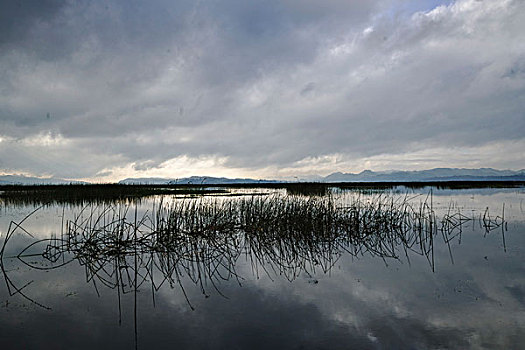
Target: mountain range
x=437, y=174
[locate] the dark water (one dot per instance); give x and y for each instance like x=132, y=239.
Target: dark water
x=469, y=293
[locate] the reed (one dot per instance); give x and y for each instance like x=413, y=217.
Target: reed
x=76, y=194
x=202, y=240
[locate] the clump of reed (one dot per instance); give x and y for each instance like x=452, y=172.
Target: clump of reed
x=308, y=189
x=82, y=194
x=203, y=239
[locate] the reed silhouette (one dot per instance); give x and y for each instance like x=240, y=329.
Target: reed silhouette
x=203, y=239
x=76, y=194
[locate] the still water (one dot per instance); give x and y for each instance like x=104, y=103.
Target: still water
x=463, y=288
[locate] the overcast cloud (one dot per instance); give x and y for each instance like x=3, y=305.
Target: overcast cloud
x=275, y=89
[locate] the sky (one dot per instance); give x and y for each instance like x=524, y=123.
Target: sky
x=104, y=90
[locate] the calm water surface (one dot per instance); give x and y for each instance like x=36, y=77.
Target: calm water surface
x=470, y=295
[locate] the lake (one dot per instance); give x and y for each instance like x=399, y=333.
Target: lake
x=398, y=268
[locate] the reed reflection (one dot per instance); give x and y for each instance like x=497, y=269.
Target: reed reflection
x=204, y=240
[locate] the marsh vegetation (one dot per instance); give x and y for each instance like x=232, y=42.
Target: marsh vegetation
x=204, y=238
x=199, y=245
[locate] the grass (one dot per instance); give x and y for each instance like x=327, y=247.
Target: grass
x=14, y=195
x=78, y=194
x=204, y=239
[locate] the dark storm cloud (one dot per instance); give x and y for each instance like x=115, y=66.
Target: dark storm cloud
x=17, y=18
x=112, y=51
x=138, y=84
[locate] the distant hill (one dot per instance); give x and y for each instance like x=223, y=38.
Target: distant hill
x=145, y=181
x=29, y=180
x=193, y=180
x=437, y=174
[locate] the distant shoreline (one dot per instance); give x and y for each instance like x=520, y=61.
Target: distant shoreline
x=358, y=184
